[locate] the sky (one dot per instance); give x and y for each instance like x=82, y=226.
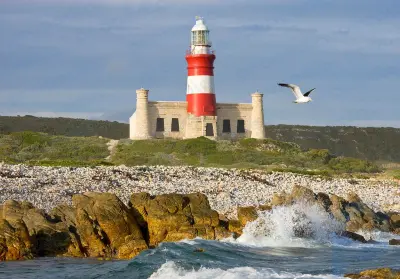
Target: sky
x=86, y=58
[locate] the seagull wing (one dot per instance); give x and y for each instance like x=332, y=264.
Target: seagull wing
x=296, y=90
x=308, y=92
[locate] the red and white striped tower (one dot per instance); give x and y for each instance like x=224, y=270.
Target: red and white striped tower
x=200, y=94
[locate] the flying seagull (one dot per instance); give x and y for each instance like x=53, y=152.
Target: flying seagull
x=300, y=97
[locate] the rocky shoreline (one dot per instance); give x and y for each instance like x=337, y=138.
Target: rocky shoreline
x=100, y=225
x=47, y=187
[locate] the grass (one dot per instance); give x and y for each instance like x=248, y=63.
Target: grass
x=271, y=155
x=43, y=149
x=246, y=153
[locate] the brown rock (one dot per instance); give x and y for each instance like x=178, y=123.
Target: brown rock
x=279, y=199
x=301, y=193
x=49, y=236
x=324, y=200
x=395, y=220
x=221, y=233
x=106, y=227
x=235, y=227
x=246, y=214
x=394, y=242
x=353, y=236
x=380, y=273
x=173, y=217
x=15, y=242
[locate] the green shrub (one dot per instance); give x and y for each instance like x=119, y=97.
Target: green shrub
x=269, y=145
x=320, y=155
x=201, y=145
x=348, y=165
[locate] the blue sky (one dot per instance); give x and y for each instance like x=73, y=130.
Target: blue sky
x=86, y=58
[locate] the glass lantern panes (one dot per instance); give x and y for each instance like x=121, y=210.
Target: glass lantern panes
x=200, y=37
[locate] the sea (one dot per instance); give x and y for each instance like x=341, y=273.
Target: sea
x=297, y=241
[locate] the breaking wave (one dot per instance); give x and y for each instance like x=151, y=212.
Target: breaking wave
x=171, y=270
x=297, y=225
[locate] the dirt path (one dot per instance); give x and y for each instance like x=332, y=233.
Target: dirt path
x=112, y=144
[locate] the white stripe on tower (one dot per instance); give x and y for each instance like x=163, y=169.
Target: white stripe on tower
x=200, y=84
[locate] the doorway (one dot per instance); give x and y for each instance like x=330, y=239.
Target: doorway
x=209, y=130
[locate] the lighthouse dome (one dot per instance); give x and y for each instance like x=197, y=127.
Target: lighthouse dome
x=200, y=25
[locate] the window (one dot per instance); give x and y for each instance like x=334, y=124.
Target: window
x=240, y=126
x=175, y=125
x=209, y=130
x=160, y=125
x=226, y=126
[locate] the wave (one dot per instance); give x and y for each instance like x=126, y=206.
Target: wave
x=171, y=270
x=297, y=225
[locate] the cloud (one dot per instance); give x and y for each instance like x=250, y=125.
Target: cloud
x=84, y=56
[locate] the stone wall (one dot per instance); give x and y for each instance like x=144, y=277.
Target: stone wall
x=167, y=111
x=171, y=120
x=233, y=113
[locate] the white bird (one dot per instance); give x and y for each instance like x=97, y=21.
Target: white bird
x=300, y=97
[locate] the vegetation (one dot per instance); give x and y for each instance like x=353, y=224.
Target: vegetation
x=64, y=126
x=373, y=144
x=246, y=153
x=44, y=149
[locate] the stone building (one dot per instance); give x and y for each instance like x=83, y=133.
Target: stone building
x=200, y=114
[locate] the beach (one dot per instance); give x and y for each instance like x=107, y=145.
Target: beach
x=226, y=189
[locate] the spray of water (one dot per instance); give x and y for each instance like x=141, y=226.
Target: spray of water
x=299, y=225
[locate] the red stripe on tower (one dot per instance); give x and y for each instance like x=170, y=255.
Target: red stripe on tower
x=200, y=94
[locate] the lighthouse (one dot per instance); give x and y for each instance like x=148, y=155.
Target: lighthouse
x=200, y=92
x=199, y=115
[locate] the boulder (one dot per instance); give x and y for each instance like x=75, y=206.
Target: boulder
x=353, y=236
x=173, y=217
x=235, y=227
x=106, y=227
x=362, y=217
x=246, y=214
x=394, y=242
x=49, y=237
x=380, y=273
x=15, y=242
x=356, y=214
x=303, y=194
x=395, y=220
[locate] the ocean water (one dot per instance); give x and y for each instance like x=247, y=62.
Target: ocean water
x=289, y=242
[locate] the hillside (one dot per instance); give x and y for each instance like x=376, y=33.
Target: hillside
x=43, y=149
x=71, y=127
x=376, y=144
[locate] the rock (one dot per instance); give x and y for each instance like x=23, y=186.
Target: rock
x=324, y=200
x=106, y=227
x=337, y=208
x=394, y=242
x=235, y=227
x=15, y=242
x=303, y=194
x=362, y=217
x=279, y=199
x=173, y=217
x=247, y=214
x=380, y=273
x=50, y=237
x=395, y=220
x=353, y=236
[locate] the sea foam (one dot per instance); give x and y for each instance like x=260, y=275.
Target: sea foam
x=296, y=225
x=171, y=270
